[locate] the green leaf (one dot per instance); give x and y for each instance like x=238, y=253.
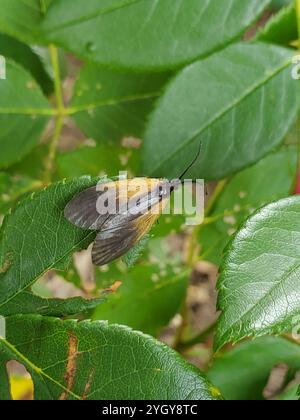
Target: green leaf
x=161, y=251
x=169, y=224
x=213, y=241
x=27, y=58
x=269, y=180
x=134, y=254
x=13, y=188
x=96, y=361
x=22, y=19
x=26, y=169
x=103, y=159
x=36, y=237
x=24, y=112
x=147, y=299
x=29, y=303
x=243, y=373
x=238, y=104
x=162, y=34
x=277, y=4
x=110, y=105
x=72, y=276
x=259, y=282
x=65, y=65
x=280, y=29
x=290, y=394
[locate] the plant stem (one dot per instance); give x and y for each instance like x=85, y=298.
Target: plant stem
x=297, y=7
x=57, y=79
x=185, y=345
x=197, y=229
x=179, y=343
x=43, y=6
x=49, y=165
x=215, y=196
x=59, y=121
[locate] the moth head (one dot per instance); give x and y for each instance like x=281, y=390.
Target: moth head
x=167, y=187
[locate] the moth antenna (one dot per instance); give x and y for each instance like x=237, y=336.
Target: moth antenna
x=193, y=162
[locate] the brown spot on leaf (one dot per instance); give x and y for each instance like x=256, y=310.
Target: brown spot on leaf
x=5, y=266
x=131, y=142
x=71, y=366
x=114, y=287
x=88, y=385
x=30, y=84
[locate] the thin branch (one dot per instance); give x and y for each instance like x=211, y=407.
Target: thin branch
x=192, y=258
x=61, y=112
x=57, y=79
x=297, y=7
x=200, y=338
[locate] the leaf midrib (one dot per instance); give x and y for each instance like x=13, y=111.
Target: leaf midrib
x=111, y=102
x=92, y=16
x=279, y=282
x=223, y=112
x=78, y=108
x=51, y=266
x=36, y=369
x=28, y=111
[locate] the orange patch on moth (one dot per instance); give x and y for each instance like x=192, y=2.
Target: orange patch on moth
x=71, y=366
x=88, y=385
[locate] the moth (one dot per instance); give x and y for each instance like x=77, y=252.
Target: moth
x=122, y=212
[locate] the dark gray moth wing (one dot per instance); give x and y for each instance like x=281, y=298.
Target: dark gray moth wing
x=118, y=231
x=82, y=212
x=119, y=235
x=121, y=232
